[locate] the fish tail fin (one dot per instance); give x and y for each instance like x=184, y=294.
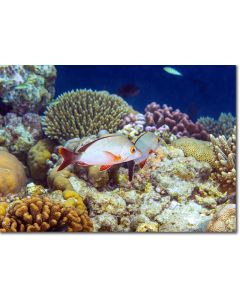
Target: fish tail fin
x=68, y=157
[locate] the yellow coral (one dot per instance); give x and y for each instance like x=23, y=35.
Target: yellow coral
x=73, y=199
x=59, y=180
x=200, y=150
x=3, y=208
x=37, y=158
x=12, y=174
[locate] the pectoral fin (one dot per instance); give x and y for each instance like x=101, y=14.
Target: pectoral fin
x=113, y=156
x=105, y=167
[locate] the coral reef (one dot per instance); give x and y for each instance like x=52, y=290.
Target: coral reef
x=201, y=150
x=19, y=134
x=178, y=122
x=223, y=126
x=37, y=158
x=12, y=174
x=59, y=180
x=224, y=219
x=225, y=161
x=27, y=88
x=39, y=214
x=82, y=113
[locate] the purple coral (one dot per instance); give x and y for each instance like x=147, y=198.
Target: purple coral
x=179, y=123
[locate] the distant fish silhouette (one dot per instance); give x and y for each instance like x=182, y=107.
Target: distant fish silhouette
x=172, y=71
x=128, y=90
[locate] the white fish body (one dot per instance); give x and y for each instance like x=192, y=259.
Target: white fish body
x=172, y=71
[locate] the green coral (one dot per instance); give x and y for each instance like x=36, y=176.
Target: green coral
x=200, y=150
x=82, y=113
x=223, y=126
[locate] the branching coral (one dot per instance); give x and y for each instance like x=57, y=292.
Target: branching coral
x=39, y=214
x=225, y=162
x=82, y=113
x=12, y=174
x=178, y=122
x=223, y=126
x=27, y=88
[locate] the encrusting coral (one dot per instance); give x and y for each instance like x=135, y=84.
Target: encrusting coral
x=82, y=113
x=223, y=126
x=200, y=150
x=37, y=158
x=224, y=219
x=27, y=88
x=40, y=214
x=12, y=174
x=225, y=161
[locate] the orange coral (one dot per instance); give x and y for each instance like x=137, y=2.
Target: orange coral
x=12, y=174
x=40, y=214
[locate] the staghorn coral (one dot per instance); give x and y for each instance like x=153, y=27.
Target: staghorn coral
x=225, y=161
x=200, y=150
x=82, y=113
x=39, y=214
x=178, y=122
x=27, y=88
x=37, y=159
x=224, y=220
x=12, y=174
x=19, y=134
x=223, y=126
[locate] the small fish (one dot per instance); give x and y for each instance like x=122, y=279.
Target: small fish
x=147, y=143
x=129, y=90
x=172, y=71
x=104, y=151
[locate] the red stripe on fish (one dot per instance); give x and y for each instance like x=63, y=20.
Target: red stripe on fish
x=105, y=168
x=142, y=163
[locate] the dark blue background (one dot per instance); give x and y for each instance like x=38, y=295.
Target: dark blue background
x=202, y=90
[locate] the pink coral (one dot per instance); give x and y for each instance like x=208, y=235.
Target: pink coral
x=179, y=123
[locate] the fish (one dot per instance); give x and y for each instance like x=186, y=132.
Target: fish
x=104, y=152
x=147, y=143
x=172, y=71
x=128, y=90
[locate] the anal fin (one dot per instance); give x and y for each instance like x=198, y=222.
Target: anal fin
x=105, y=167
x=142, y=163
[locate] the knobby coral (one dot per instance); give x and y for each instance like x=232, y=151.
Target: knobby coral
x=12, y=174
x=82, y=113
x=179, y=123
x=40, y=214
x=225, y=161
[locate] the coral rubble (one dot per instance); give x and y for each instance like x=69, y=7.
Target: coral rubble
x=82, y=113
x=27, y=88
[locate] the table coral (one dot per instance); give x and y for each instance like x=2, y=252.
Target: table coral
x=224, y=219
x=225, y=161
x=39, y=214
x=20, y=133
x=222, y=126
x=37, y=159
x=178, y=122
x=200, y=150
x=12, y=174
x=27, y=88
x=82, y=113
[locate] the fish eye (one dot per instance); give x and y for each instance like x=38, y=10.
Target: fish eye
x=132, y=149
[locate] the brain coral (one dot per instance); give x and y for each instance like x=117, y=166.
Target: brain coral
x=83, y=112
x=200, y=150
x=38, y=214
x=37, y=158
x=12, y=174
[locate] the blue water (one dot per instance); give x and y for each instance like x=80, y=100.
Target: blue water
x=202, y=90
